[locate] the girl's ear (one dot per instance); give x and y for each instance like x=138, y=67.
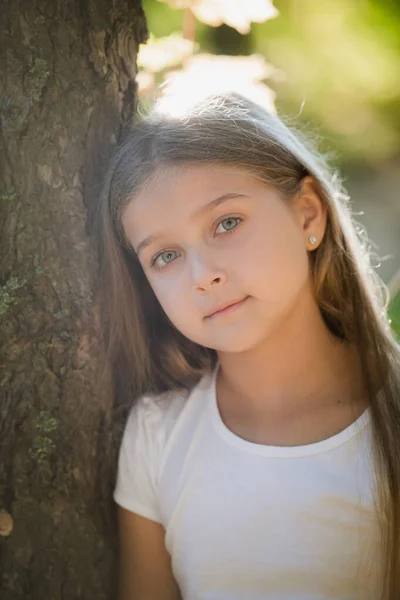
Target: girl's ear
x=311, y=212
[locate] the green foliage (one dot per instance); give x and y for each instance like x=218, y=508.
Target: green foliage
x=338, y=65
x=161, y=18
x=8, y=297
x=394, y=315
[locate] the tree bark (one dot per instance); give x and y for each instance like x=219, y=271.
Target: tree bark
x=67, y=70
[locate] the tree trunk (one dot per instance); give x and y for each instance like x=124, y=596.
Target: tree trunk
x=67, y=71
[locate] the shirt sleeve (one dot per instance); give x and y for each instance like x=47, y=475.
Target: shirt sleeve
x=136, y=486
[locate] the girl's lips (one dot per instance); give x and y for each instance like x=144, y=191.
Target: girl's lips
x=226, y=308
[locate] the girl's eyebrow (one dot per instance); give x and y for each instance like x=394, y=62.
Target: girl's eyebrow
x=200, y=212
x=207, y=208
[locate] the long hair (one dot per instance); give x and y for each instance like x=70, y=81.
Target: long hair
x=148, y=354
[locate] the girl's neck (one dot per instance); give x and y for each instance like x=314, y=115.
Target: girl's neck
x=300, y=364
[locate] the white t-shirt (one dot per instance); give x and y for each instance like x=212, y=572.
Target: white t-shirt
x=248, y=521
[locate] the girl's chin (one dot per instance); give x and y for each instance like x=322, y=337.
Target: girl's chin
x=236, y=344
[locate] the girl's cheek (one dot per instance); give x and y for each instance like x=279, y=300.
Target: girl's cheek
x=168, y=293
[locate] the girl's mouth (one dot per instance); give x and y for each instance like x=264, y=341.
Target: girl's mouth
x=225, y=308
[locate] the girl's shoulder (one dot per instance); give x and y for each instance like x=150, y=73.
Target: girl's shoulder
x=153, y=423
x=155, y=411
x=149, y=426
x=167, y=405
x=154, y=417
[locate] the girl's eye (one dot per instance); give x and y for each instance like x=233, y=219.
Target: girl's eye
x=228, y=224
x=162, y=259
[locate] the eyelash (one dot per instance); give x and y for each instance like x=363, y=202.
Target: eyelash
x=239, y=219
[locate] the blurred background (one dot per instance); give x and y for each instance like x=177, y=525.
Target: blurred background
x=332, y=68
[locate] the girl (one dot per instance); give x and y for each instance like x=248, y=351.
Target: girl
x=262, y=458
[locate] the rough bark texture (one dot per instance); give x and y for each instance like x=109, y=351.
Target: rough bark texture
x=67, y=71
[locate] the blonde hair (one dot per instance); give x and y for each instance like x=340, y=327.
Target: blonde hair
x=149, y=355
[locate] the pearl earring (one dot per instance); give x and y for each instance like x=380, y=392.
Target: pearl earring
x=313, y=239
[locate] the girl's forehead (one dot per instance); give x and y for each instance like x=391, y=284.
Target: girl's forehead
x=178, y=188
x=193, y=181
x=175, y=193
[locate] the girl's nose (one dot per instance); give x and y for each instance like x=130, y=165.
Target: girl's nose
x=205, y=274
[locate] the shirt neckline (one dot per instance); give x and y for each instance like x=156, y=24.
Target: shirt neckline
x=279, y=451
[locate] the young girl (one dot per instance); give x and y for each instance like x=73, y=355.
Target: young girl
x=261, y=459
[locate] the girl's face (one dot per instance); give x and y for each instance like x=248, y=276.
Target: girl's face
x=211, y=236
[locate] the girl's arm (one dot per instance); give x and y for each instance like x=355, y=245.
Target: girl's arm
x=146, y=572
